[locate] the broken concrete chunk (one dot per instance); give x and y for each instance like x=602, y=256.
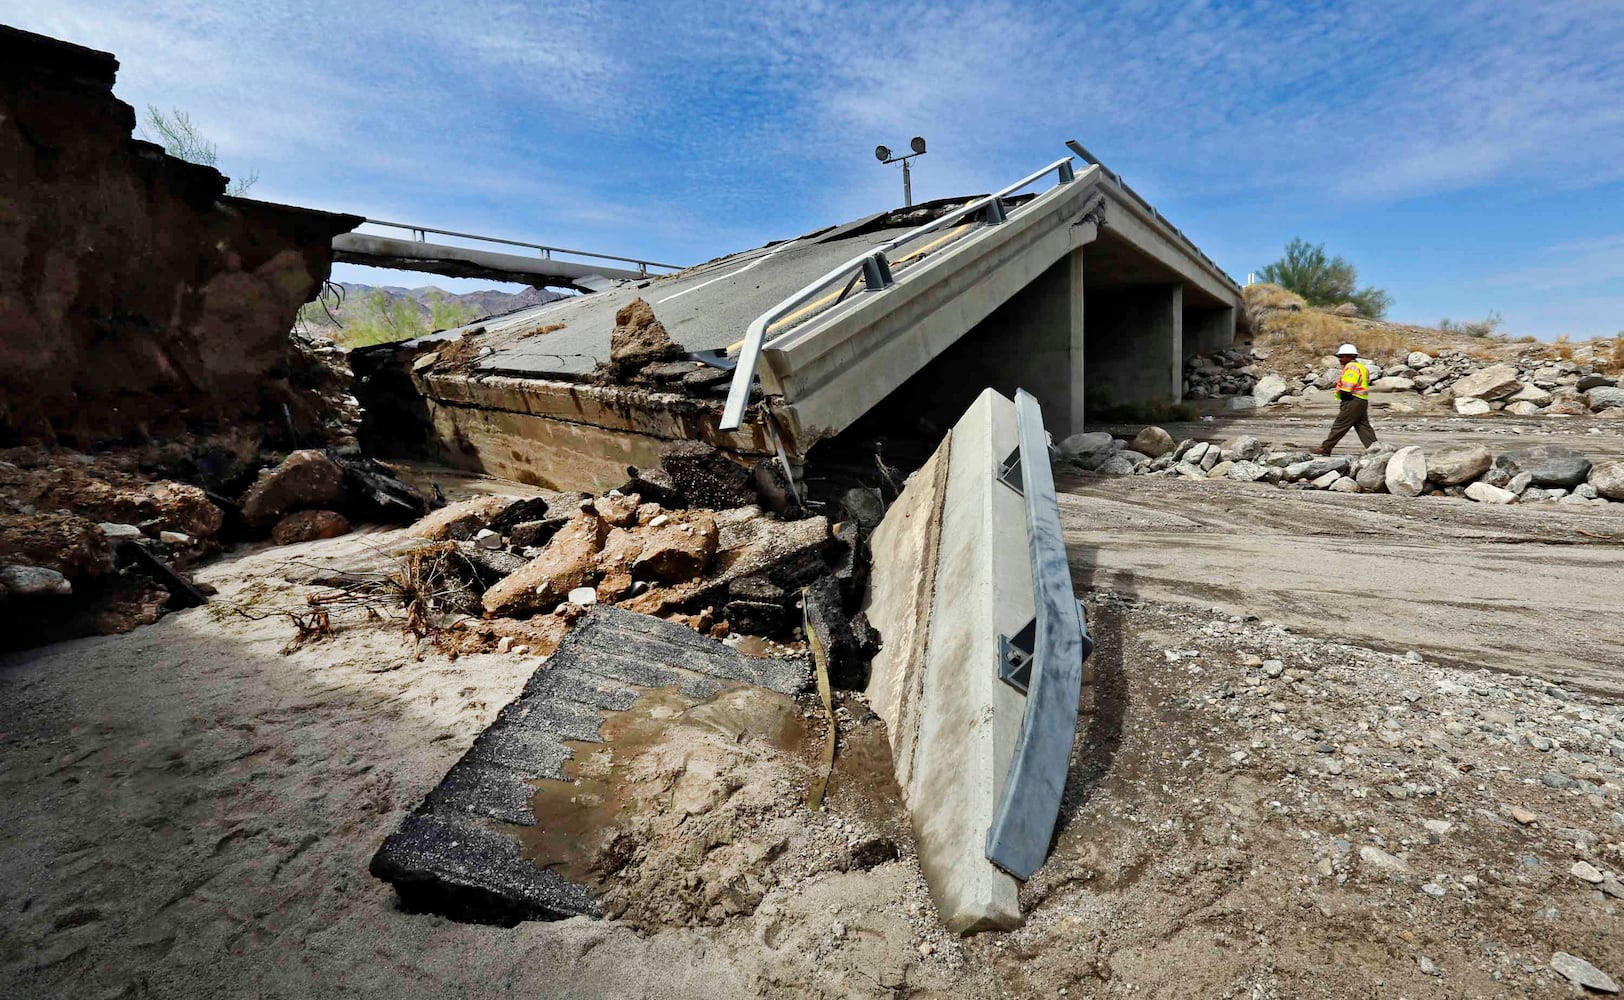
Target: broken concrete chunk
x=639, y=338
x=569, y=561
x=534, y=534
x=519, y=512
x=619, y=509
x=462, y=520
x=676, y=552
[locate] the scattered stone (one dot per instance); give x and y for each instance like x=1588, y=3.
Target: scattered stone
x=583, y=597
x=1549, y=465
x=488, y=539
x=1523, y=816
x=120, y=532
x=308, y=526
x=33, y=581
x=1244, y=448
x=1378, y=858
x=1580, y=972
x=1428, y=966
x=1484, y=493
x=306, y=480
x=1273, y=668
x=1607, y=479
x=1471, y=406
x=174, y=538
x=1604, y=398
x=1082, y=444
x=1584, y=871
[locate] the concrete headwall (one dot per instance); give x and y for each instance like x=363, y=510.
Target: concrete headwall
x=134, y=298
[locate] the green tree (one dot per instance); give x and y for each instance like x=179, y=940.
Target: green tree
x=180, y=138
x=382, y=319
x=1323, y=280
x=446, y=313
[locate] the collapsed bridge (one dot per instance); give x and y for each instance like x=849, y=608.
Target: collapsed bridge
x=1065, y=283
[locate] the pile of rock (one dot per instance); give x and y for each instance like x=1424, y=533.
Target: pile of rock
x=721, y=571
x=1531, y=385
x=1222, y=373
x=1540, y=473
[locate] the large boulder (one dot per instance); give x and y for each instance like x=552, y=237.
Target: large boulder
x=568, y=561
x=1406, y=472
x=1268, y=389
x=1589, y=382
x=33, y=581
x=1471, y=406
x=1245, y=471
x=1393, y=383
x=306, y=480
x=1318, y=467
x=1604, y=397
x=1452, y=466
x=1607, y=478
x=1153, y=442
x=1549, y=465
x=1493, y=382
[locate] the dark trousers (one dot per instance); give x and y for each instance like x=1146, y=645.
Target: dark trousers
x=1355, y=416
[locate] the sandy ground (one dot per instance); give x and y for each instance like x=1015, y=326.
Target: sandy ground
x=190, y=812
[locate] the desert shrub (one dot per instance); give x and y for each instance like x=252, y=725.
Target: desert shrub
x=382, y=319
x=1484, y=327
x=1323, y=280
x=1320, y=333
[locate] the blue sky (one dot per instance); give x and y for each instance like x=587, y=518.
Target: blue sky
x=1465, y=156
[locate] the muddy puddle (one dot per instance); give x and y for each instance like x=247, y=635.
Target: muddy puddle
x=706, y=788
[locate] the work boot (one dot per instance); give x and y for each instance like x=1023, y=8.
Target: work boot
x=1320, y=450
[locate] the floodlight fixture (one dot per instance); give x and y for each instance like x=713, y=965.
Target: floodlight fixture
x=884, y=155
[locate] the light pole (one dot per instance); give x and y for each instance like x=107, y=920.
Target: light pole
x=883, y=154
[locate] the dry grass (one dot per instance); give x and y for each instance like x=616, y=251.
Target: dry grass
x=1264, y=296
x=1317, y=334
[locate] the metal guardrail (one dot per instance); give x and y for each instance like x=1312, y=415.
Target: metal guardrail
x=874, y=267
x=1044, y=660
x=420, y=234
x=1155, y=213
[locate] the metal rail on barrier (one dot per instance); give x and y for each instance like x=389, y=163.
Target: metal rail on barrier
x=420, y=234
x=874, y=267
x=1044, y=660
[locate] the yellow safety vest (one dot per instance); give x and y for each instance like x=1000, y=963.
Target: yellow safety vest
x=1355, y=380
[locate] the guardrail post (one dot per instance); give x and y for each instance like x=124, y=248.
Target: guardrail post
x=1067, y=173
x=995, y=212
x=877, y=272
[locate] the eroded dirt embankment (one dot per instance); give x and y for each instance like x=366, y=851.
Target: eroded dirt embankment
x=134, y=298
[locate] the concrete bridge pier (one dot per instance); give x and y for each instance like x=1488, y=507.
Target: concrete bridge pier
x=1135, y=346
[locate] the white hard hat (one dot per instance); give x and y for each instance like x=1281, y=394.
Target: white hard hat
x=1347, y=349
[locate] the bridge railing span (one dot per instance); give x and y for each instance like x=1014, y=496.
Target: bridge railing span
x=873, y=268
x=420, y=235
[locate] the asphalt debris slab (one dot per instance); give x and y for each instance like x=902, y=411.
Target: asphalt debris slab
x=454, y=855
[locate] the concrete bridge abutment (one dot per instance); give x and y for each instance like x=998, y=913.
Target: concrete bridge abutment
x=1134, y=340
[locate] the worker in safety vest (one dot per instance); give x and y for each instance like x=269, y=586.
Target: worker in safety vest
x=1353, y=389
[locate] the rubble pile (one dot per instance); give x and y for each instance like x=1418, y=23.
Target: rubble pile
x=1532, y=384
x=103, y=543
x=1529, y=475
x=708, y=557
x=1222, y=373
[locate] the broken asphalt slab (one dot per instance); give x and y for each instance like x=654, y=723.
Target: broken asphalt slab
x=452, y=854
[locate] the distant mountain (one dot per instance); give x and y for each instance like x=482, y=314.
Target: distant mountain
x=359, y=305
